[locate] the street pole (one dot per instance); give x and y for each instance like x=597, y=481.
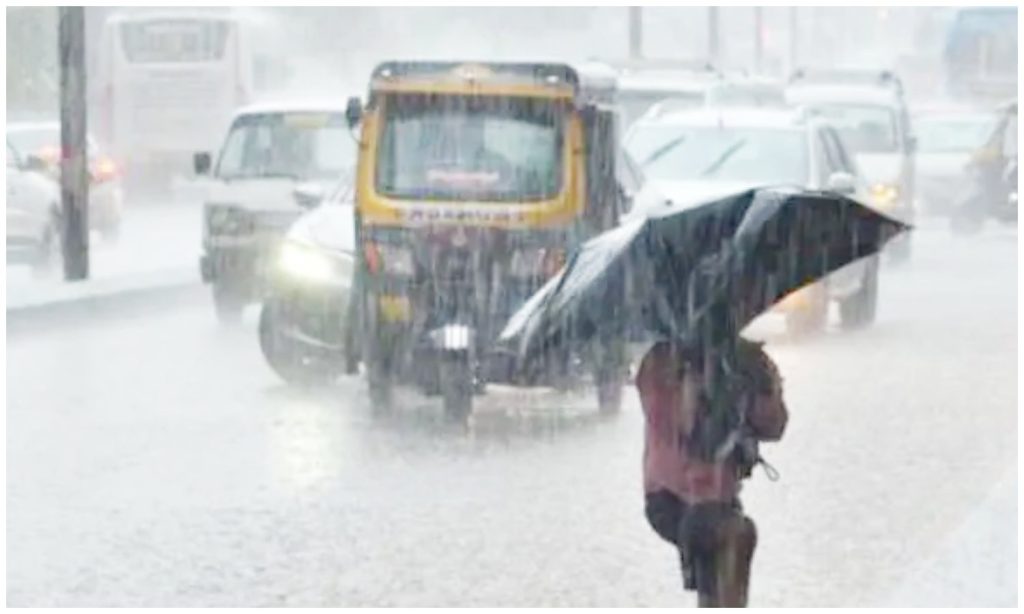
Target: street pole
x=636, y=33
x=713, y=35
x=74, y=178
x=758, y=39
x=794, y=38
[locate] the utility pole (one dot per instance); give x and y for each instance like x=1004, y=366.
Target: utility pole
x=74, y=178
x=713, y=49
x=758, y=40
x=636, y=33
x=794, y=39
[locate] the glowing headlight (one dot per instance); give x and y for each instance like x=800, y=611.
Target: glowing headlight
x=302, y=262
x=884, y=195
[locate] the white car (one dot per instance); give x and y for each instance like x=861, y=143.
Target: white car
x=947, y=138
x=870, y=113
x=33, y=216
x=269, y=152
x=697, y=156
x=38, y=145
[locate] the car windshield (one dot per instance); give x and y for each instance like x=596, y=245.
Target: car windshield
x=952, y=134
x=755, y=155
x=864, y=128
x=470, y=147
x=635, y=103
x=294, y=145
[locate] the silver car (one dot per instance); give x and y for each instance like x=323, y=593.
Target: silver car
x=696, y=156
x=33, y=215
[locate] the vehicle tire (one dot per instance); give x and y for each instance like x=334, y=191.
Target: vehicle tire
x=378, y=358
x=228, y=302
x=814, y=316
x=457, y=386
x=967, y=218
x=111, y=234
x=859, y=309
x=48, y=257
x=296, y=365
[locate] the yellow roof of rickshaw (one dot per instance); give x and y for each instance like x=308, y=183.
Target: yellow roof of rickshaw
x=476, y=78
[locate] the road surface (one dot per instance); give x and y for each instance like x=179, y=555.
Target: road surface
x=156, y=460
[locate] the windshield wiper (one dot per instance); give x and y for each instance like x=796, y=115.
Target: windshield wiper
x=664, y=149
x=723, y=158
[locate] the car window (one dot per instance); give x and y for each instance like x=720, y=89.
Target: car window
x=952, y=134
x=865, y=128
x=711, y=153
x=843, y=161
x=829, y=156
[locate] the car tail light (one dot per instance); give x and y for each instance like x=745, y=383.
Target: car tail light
x=104, y=169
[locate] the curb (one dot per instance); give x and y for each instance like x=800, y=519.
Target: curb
x=123, y=295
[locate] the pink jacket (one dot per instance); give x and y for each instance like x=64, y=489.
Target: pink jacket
x=669, y=403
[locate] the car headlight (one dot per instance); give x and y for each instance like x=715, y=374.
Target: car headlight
x=389, y=259
x=227, y=219
x=884, y=195
x=305, y=262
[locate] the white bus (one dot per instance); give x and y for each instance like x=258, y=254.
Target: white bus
x=167, y=83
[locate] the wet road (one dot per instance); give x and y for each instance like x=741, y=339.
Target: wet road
x=158, y=461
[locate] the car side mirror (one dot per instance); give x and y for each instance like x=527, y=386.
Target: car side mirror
x=201, y=163
x=308, y=195
x=841, y=183
x=353, y=111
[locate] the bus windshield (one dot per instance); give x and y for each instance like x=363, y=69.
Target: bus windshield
x=174, y=40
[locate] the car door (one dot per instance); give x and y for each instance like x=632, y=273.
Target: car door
x=849, y=279
x=26, y=218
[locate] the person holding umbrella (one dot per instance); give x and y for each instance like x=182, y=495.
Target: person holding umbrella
x=694, y=503
x=689, y=279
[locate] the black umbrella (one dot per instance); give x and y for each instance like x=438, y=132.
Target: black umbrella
x=696, y=275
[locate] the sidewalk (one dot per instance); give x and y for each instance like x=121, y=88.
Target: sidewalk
x=159, y=246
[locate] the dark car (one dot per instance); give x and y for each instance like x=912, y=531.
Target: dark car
x=301, y=328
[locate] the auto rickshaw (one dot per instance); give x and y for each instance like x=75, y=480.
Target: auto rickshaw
x=474, y=183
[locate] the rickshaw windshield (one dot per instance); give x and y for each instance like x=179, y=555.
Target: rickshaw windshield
x=481, y=148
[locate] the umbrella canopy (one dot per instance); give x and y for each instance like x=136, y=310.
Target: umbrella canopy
x=698, y=274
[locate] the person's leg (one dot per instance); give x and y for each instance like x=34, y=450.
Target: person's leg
x=737, y=536
x=665, y=514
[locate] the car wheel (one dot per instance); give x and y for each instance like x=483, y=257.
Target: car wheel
x=295, y=364
x=457, y=385
x=967, y=218
x=812, y=317
x=859, y=310
x=111, y=234
x=228, y=302
x=48, y=256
